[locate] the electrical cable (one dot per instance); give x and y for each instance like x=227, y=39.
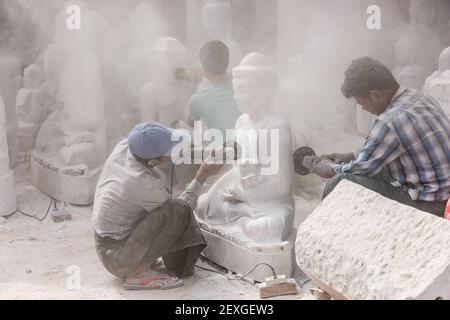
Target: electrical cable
x=211, y=270
x=242, y=277
x=261, y=264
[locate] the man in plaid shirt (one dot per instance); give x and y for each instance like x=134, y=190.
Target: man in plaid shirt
x=406, y=156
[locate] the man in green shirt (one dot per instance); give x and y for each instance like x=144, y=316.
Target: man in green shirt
x=214, y=102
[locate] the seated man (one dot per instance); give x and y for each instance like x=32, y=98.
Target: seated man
x=214, y=103
x=136, y=220
x=252, y=202
x=406, y=156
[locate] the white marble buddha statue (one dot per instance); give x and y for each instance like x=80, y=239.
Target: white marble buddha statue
x=144, y=28
x=165, y=98
x=73, y=135
x=250, y=203
x=216, y=16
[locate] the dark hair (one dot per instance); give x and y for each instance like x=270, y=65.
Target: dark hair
x=215, y=57
x=367, y=74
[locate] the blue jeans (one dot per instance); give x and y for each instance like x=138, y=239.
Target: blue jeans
x=381, y=185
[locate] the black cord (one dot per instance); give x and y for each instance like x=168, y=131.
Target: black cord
x=210, y=270
x=261, y=264
x=240, y=278
x=52, y=201
x=304, y=282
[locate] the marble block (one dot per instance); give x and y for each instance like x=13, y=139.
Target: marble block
x=74, y=185
x=358, y=244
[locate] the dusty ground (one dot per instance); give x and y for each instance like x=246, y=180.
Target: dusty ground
x=40, y=260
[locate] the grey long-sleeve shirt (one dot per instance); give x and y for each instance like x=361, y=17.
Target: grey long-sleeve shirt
x=127, y=191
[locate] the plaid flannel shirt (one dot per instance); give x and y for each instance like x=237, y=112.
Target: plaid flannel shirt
x=412, y=139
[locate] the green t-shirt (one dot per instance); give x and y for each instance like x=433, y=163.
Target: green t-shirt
x=215, y=106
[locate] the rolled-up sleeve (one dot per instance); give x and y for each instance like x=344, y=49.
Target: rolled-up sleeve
x=191, y=194
x=381, y=147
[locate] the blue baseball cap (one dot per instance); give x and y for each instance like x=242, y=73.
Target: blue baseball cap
x=152, y=140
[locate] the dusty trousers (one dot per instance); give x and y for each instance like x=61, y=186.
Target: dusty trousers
x=170, y=232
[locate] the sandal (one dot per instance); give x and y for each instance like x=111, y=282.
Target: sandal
x=157, y=282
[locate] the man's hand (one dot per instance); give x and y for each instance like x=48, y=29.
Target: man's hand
x=310, y=162
x=323, y=170
x=339, y=158
x=208, y=168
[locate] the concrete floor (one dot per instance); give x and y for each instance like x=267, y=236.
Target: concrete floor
x=41, y=260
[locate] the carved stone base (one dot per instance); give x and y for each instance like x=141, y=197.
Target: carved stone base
x=72, y=185
x=242, y=258
x=8, y=202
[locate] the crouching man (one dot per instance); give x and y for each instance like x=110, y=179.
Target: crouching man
x=136, y=220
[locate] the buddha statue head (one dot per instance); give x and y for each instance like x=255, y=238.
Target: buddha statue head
x=168, y=54
x=444, y=60
x=32, y=76
x=216, y=16
x=255, y=84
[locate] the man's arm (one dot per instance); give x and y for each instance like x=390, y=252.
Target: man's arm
x=192, y=192
x=381, y=147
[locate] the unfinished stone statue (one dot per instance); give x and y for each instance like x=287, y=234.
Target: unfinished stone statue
x=29, y=103
x=145, y=28
x=165, y=99
x=216, y=15
x=8, y=203
x=249, y=206
x=70, y=147
x=117, y=98
x=10, y=82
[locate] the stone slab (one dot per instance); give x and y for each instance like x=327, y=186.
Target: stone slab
x=73, y=189
x=242, y=259
x=8, y=202
x=358, y=244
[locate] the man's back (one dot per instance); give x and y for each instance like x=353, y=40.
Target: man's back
x=423, y=133
x=215, y=105
x=126, y=192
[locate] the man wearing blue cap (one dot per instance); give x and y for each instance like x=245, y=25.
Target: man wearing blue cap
x=136, y=220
